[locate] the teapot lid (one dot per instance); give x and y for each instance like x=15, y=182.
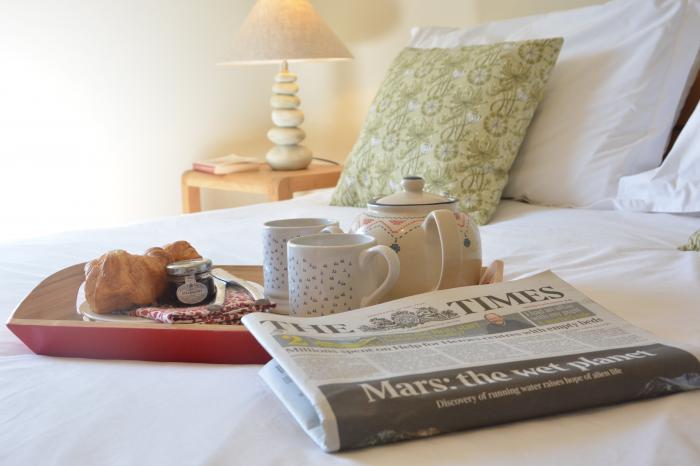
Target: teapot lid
x=413, y=194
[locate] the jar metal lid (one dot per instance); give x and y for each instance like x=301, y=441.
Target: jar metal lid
x=188, y=267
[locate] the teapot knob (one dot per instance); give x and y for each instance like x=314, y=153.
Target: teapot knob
x=413, y=184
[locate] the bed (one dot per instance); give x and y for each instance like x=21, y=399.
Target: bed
x=67, y=411
x=75, y=411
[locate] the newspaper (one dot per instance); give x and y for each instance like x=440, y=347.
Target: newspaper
x=461, y=358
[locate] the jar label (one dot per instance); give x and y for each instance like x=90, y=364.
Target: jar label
x=191, y=292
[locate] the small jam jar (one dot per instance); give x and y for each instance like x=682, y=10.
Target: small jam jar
x=190, y=282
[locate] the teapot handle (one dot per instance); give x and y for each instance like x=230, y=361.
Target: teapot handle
x=450, y=246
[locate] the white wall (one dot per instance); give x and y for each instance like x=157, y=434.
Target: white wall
x=104, y=103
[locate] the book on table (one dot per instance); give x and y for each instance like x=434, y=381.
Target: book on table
x=231, y=163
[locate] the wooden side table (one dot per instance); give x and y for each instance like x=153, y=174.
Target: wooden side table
x=278, y=185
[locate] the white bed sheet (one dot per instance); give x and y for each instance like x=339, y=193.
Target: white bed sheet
x=74, y=411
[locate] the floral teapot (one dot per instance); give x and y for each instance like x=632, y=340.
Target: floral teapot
x=437, y=246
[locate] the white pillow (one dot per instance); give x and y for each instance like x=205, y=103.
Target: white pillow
x=611, y=99
x=675, y=185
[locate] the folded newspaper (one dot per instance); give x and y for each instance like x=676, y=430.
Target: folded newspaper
x=461, y=358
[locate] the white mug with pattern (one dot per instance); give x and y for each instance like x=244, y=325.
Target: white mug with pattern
x=334, y=273
x=276, y=233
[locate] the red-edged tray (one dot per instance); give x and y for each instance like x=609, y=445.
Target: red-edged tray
x=48, y=323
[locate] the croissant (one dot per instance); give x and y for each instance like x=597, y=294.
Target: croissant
x=119, y=280
x=180, y=251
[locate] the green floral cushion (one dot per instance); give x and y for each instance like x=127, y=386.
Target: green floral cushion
x=693, y=243
x=456, y=117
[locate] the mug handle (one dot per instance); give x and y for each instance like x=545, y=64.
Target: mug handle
x=392, y=261
x=450, y=246
x=333, y=230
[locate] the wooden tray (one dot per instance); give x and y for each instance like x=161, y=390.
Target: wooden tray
x=48, y=323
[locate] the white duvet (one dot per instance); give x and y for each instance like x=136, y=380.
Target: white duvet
x=74, y=411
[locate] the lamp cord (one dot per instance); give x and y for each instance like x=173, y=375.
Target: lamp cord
x=332, y=162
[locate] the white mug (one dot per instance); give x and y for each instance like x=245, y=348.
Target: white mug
x=329, y=274
x=276, y=233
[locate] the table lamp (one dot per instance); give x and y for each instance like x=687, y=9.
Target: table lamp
x=282, y=31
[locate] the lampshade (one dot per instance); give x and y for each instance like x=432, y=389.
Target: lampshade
x=291, y=30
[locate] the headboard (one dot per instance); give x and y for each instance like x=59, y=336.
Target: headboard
x=690, y=103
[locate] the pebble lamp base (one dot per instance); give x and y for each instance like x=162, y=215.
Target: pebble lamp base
x=287, y=154
x=288, y=157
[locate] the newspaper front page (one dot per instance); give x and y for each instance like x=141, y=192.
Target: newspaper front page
x=461, y=358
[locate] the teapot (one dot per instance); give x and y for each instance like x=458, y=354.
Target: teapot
x=438, y=247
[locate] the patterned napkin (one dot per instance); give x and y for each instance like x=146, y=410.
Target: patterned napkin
x=236, y=305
